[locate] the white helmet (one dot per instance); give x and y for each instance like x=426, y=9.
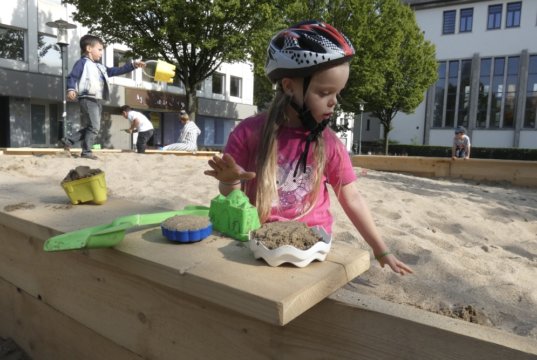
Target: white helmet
x=304, y=48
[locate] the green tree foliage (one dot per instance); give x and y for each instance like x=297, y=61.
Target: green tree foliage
x=394, y=64
x=197, y=36
x=11, y=44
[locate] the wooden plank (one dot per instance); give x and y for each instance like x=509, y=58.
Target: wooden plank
x=218, y=269
x=227, y=267
x=51, y=151
x=197, y=153
x=370, y=328
x=45, y=333
x=151, y=320
x=57, y=151
x=516, y=172
x=155, y=321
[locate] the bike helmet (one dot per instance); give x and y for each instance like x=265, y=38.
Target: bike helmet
x=304, y=48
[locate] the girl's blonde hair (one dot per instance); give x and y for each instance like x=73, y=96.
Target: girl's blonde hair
x=267, y=157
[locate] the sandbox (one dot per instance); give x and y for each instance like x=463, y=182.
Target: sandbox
x=210, y=300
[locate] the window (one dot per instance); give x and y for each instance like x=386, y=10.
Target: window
x=177, y=82
x=497, y=92
x=218, y=83
x=235, y=86
x=449, y=22
x=451, y=101
x=120, y=59
x=466, y=20
x=464, y=93
x=513, y=15
x=11, y=44
x=530, y=115
x=484, y=90
x=511, y=86
x=452, y=94
x=497, y=96
x=498, y=102
x=215, y=131
x=439, y=95
x=495, y=17
x=49, y=53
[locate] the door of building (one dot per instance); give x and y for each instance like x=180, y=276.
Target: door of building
x=38, y=124
x=4, y=122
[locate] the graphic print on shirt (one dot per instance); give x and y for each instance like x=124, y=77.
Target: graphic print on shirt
x=293, y=191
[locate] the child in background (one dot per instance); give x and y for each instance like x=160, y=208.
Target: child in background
x=461, y=144
x=88, y=81
x=284, y=158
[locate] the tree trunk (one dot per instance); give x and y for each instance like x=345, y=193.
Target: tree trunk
x=191, y=105
x=387, y=123
x=386, y=138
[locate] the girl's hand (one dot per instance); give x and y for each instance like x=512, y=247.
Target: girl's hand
x=226, y=170
x=396, y=265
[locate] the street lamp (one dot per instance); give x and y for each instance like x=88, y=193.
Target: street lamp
x=62, y=42
x=361, y=104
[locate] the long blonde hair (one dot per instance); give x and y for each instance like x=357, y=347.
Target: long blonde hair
x=267, y=157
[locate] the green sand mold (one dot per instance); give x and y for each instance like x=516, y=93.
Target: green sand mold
x=233, y=215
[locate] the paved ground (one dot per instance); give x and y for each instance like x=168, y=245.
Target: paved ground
x=9, y=350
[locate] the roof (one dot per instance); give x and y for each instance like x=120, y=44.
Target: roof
x=423, y=4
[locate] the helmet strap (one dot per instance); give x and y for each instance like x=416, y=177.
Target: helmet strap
x=309, y=123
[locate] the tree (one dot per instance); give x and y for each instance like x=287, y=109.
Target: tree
x=394, y=64
x=197, y=36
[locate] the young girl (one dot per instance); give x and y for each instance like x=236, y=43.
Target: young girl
x=283, y=159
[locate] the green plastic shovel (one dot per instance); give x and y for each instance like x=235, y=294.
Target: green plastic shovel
x=109, y=235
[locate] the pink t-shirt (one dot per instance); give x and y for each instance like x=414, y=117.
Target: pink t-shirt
x=242, y=145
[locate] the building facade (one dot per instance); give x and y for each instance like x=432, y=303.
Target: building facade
x=487, y=74
x=31, y=88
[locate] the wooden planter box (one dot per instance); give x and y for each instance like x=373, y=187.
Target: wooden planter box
x=516, y=172
x=151, y=299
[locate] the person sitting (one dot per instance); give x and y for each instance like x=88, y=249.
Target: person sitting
x=188, y=138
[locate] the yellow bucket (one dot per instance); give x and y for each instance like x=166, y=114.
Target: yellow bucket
x=160, y=70
x=92, y=188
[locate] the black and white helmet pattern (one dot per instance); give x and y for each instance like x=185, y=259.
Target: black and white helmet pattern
x=304, y=48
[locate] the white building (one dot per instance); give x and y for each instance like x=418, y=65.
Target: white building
x=487, y=55
x=31, y=88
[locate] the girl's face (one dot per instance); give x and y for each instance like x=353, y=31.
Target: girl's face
x=95, y=52
x=324, y=87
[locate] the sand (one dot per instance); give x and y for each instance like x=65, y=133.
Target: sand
x=473, y=246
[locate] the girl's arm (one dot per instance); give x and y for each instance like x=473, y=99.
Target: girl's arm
x=356, y=209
